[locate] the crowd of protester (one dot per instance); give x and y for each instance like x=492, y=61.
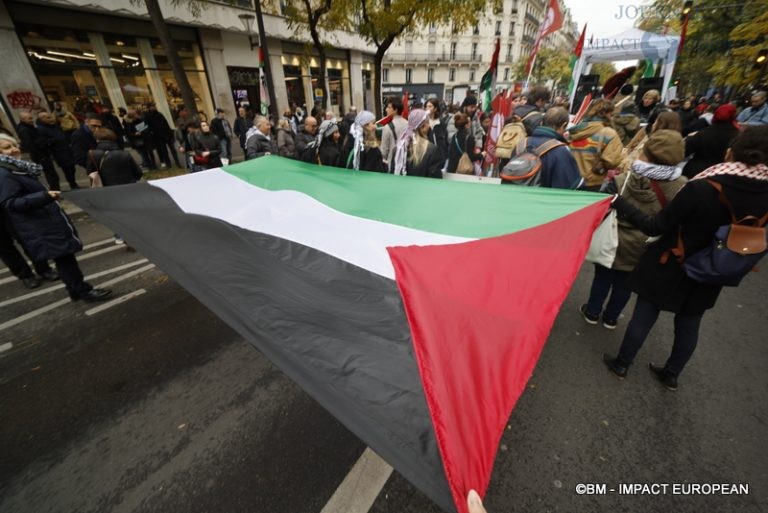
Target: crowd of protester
x=658, y=159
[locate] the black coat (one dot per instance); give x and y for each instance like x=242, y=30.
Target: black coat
x=258, y=146
x=708, y=147
x=81, y=142
x=161, y=130
x=32, y=142
x=57, y=143
x=115, y=166
x=430, y=166
x=466, y=143
x=37, y=219
x=370, y=158
x=112, y=122
x=329, y=153
x=438, y=135
x=241, y=128
x=208, y=142
x=698, y=212
x=217, y=128
x=137, y=140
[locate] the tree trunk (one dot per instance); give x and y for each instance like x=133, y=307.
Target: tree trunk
x=378, y=59
x=187, y=95
x=323, y=80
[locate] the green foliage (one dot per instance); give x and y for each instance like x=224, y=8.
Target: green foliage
x=552, y=64
x=604, y=69
x=722, y=40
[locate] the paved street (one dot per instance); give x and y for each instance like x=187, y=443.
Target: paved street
x=154, y=405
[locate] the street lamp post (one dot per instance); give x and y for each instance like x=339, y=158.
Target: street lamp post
x=260, y=40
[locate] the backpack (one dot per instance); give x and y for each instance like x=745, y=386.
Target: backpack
x=733, y=252
x=524, y=167
x=532, y=120
x=510, y=135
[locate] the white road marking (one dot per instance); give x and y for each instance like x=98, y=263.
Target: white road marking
x=98, y=243
x=6, y=347
x=34, y=313
x=114, y=302
x=60, y=286
x=100, y=252
x=85, y=248
x=362, y=485
x=62, y=302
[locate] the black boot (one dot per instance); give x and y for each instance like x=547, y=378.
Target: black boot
x=665, y=377
x=617, y=368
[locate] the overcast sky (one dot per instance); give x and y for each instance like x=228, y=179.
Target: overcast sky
x=601, y=15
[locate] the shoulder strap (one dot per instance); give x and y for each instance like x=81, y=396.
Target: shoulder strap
x=723, y=199
x=659, y=193
x=456, y=141
x=391, y=126
x=546, y=147
x=522, y=144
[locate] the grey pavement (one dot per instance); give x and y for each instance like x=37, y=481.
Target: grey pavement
x=155, y=405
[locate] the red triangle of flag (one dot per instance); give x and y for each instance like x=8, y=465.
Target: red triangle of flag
x=480, y=313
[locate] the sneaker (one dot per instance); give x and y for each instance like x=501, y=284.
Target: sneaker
x=666, y=378
x=610, y=323
x=618, y=370
x=31, y=282
x=119, y=241
x=588, y=317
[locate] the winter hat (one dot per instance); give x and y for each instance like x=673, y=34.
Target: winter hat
x=626, y=90
x=724, y=114
x=415, y=120
x=665, y=147
x=358, y=133
x=469, y=100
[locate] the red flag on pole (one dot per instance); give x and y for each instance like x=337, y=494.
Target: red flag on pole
x=502, y=108
x=553, y=21
x=386, y=119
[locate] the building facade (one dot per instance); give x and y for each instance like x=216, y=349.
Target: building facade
x=445, y=63
x=76, y=51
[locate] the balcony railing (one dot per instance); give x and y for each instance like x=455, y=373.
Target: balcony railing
x=533, y=19
x=427, y=57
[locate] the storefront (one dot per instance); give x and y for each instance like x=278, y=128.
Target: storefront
x=122, y=67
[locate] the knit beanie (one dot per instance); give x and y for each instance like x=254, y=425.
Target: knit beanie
x=665, y=147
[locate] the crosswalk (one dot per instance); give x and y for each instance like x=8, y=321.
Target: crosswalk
x=104, y=264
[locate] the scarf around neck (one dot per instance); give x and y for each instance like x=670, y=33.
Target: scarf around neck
x=29, y=168
x=756, y=172
x=657, y=172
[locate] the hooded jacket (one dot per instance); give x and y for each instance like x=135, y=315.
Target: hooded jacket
x=115, y=166
x=596, y=148
x=626, y=125
x=639, y=193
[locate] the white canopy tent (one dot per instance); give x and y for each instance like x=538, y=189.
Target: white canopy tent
x=630, y=45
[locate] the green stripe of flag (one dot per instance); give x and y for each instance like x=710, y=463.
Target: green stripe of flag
x=437, y=206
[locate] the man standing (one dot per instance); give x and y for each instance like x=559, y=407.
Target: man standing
x=221, y=128
x=162, y=135
x=82, y=140
x=532, y=112
x=391, y=132
x=260, y=142
x=112, y=122
x=305, y=140
x=35, y=144
x=757, y=114
x=242, y=124
x=57, y=144
x=469, y=107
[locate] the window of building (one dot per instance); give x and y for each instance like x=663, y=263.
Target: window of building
x=506, y=74
x=452, y=75
x=476, y=30
x=430, y=75
x=432, y=28
x=472, y=75
x=509, y=52
x=474, y=50
x=453, y=51
x=385, y=74
x=283, y=7
x=498, y=28
x=408, y=75
x=511, y=28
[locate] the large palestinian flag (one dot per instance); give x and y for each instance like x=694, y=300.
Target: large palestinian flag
x=413, y=309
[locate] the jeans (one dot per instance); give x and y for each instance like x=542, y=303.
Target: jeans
x=605, y=281
x=643, y=319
